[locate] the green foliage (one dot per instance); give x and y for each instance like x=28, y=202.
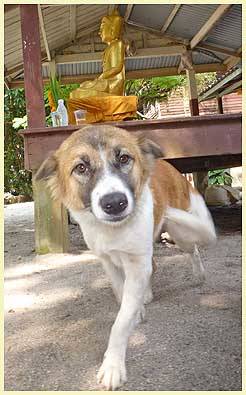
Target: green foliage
x=150, y=90
x=63, y=93
x=55, y=89
x=204, y=80
x=65, y=90
x=16, y=179
x=219, y=177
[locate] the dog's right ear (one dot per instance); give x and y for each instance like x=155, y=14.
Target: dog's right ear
x=149, y=147
x=47, y=170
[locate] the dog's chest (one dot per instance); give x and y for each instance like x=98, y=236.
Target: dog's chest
x=132, y=239
x=135, y=236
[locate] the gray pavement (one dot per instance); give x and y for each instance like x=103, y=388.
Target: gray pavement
x=59, y=310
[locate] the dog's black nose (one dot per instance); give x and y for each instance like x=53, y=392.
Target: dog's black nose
x=114, y=203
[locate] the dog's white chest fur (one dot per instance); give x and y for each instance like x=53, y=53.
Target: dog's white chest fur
x=134, y=236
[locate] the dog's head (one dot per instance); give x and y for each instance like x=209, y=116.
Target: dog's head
x=103, y=168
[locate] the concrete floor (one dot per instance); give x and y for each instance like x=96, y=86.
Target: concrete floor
x=59, y=310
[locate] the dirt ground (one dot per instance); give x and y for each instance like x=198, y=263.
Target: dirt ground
x=59, y=310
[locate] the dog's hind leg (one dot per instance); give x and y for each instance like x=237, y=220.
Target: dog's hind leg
x=181, y=237
x=197, y=265
x=191, y=229
x=148, y=296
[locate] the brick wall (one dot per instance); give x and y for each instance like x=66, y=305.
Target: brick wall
x=178, y=105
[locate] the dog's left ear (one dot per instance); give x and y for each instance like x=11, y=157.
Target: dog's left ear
x=49, y=175
x=148, y=147
x=47, y=170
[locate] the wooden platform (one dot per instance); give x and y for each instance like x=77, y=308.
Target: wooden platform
x=189, y=143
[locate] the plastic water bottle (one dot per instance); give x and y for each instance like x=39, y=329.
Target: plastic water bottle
x=63, y=111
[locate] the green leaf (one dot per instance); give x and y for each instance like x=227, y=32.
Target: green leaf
x=220, y=180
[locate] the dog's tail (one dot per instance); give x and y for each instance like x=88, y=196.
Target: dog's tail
x=195, y=226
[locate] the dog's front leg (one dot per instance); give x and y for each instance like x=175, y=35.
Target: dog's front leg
x=116, y=276
x=137, y=276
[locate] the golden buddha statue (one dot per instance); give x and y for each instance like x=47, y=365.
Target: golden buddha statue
x=111, y=81
x=103, y=98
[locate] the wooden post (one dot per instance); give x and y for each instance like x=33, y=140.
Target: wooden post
x=199, y=177
x=220, y=105
x=32, y=66
x=192, y=89
x=52, y=66
x=51, y=233
x=51, y=222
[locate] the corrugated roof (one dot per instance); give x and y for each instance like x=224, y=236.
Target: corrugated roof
x=12, y=39
x=79, y=68
x=89, y=15
x=186, y=23
x=190, y=19
x=228, y=31
x=203, y=58
x=56, y=22
x=150, y=15
x=152, y=63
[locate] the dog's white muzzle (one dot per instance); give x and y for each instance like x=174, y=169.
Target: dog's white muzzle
x=111, y=199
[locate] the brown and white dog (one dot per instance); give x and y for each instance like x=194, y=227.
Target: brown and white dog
x=123, y=198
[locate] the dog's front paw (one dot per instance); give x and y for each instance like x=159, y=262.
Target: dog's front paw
x=112, y=373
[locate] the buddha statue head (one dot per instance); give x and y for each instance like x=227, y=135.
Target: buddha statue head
x=111, y=27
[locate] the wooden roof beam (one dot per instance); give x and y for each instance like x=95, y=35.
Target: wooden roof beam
x=158, y=33
x=133, y=74
x=223, y=50
x=19, y=67
x=128, y=12
x=170, y=18
x=220, y=84
x=112, y=7
x=72, y=21
x=13, y=70
x=186, y=62
x=10, y=7
x=211, y=22
x=170, y=50
x=81, y=33
x=231, y=88
x=42, y=26
x=233, y=60
x=6, y=83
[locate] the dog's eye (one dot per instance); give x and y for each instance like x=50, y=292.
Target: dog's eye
x=124, y=159
x=81, y=168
